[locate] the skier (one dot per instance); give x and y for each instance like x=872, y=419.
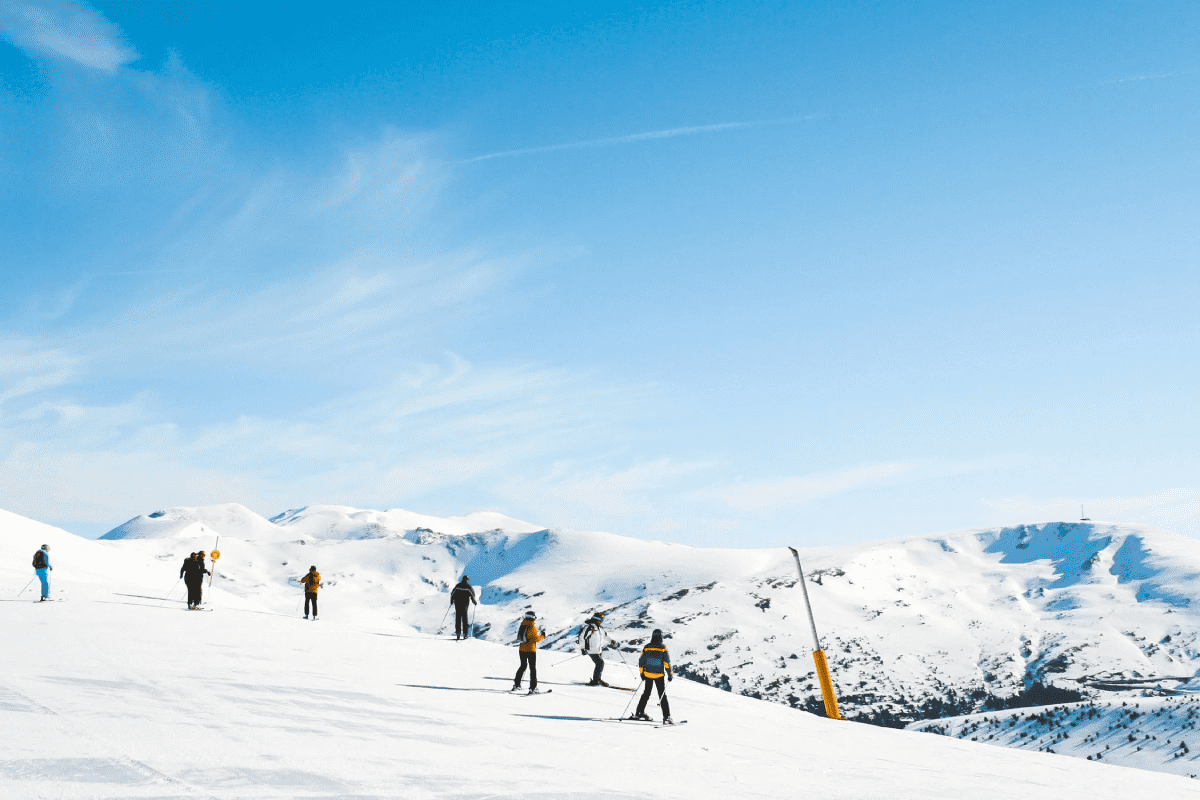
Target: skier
x=591, y=641
x=41, y=565
x=312, y=582
x=461, y=597
x=183, y=573
x=654, y=663
x=528, y=637
x=193, y=573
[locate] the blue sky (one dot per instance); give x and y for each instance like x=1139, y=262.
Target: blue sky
x=739, y=274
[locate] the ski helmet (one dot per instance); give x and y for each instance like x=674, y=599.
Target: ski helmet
x=313, y=568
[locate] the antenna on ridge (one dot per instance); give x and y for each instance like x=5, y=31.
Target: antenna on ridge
x=1082, y=516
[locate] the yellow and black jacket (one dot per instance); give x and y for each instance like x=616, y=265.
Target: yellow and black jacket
x=312, y=582
x=655, y=661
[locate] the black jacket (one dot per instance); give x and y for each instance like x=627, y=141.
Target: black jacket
x=462, y=594
x=192, y=570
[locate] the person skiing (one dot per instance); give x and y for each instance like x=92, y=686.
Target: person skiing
x=591, y=641
x=528, y=637
x=654, y=663
x=462, y=596
x=183, y=569
x=41, y=565
x=312, y=582
x=193, y=573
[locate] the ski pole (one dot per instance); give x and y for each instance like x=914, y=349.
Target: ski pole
x=31, y=580
x=565, y=660
x=168, y=597
x=631, y=696
x=474, y=607
x=626, y=663
x=442, y=625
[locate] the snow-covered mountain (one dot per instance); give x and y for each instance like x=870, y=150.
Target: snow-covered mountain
x=1157, y=733
x=914, y=629
x=118, y=693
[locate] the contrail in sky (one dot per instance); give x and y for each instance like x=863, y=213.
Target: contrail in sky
x=640, y=137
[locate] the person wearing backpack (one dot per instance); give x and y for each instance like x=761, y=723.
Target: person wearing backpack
x=591, y=641
x=462, y=596
x=528, y=638
x=41, y=565
x=193, y=573
x=654, y=664
x=312, y=582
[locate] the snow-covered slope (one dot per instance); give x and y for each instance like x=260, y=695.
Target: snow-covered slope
x=915, y=628
x=316, y=522
x=112, y=696
x=1148, y=733
x=232, y=519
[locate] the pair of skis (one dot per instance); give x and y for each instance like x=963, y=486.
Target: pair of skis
x=605, y=685
x=651, y=722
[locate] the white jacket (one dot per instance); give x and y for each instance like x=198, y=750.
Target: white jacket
x=592, y=639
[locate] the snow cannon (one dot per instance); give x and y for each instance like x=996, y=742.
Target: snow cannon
x=827, y=693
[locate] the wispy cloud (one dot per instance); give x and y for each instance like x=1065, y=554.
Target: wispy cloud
x=26, y=368
x=574, y=493
x=1135, y=78
x=1173, y=509
x=645, y=136
x=62, y=29
x=798, y=490
x=414, y=433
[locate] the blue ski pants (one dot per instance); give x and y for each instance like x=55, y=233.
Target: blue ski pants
x=44, y=575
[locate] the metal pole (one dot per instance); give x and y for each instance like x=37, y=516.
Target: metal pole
x=31, y=580
x=827, y=693
x=626, y=663
x=812, y=623
x=213, y=574
x=632, y=695
x=168, y=597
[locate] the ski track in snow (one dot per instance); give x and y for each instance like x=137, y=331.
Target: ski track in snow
x=126, y=696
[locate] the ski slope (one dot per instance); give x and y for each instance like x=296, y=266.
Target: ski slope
x=1107, y=611
x=913, y=628
x=113, y=694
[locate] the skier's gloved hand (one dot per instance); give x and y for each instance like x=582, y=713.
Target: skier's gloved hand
x=670, y=677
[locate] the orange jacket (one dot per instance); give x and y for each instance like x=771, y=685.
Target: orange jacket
x=528, y=636
x=311, y=581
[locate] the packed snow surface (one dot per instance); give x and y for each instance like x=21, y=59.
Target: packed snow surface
x=118, y=693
